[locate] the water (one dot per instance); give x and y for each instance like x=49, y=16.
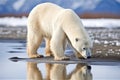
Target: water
x=40, y=71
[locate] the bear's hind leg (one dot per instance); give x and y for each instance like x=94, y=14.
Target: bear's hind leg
x=47, y=48
x=33, y=43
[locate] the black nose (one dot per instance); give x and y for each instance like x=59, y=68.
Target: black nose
x=89, y=67
x=88, y=57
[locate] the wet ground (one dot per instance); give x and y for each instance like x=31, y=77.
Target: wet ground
x=23, y=70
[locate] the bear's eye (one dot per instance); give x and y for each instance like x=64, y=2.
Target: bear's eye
x=76, y=39
x=84, y=48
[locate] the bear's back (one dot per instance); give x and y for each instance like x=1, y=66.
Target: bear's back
x=44, y=13
x=43, y=16
x=45, y=10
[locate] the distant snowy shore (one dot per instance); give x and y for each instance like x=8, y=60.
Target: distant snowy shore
x=101, y=22
x=13, y=21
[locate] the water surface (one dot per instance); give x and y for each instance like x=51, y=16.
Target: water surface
x=41, y=71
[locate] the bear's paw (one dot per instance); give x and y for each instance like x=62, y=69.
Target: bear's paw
x=61, y=58
x=36, y=56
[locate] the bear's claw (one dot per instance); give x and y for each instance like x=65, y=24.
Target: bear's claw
x=36, y=56
x=40, y=56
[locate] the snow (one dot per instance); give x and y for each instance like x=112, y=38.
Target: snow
x=106, y=42
x=101, y=22
x=18, y=4
x=97, y=41
x=86, y=4
x=117, y=43
x=12, y=21
x=118, y=1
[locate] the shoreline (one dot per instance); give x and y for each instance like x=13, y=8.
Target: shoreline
x=21, y=32
x=73, y=60
x=106, y=41
x=100, y=51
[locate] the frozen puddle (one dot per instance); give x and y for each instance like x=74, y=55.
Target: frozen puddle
x=44, y=71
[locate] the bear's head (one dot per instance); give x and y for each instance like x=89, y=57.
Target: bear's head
x=82, y=72
x=82, y=46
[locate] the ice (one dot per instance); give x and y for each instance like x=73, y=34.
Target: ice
x=106, y=42
x=117, y=43
x=14, y=22
x=97, y=41
x=101, y=22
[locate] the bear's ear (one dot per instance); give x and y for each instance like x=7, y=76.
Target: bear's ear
x=76, y=39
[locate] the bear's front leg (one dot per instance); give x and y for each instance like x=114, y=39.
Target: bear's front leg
x=58, y=51
x=58, y=44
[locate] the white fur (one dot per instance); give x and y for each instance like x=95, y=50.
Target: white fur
x=57, y=25
x=33, y=72
x=81, y=72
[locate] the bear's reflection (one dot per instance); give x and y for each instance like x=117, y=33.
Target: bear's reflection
x=81, y=72
x=33, y=72
x=58, y=72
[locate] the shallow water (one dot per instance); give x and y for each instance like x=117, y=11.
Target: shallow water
x=40, y=71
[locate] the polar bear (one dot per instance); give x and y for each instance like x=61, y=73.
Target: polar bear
x=58, y=26
x=33, y=72
x=56, y=72
x=81, y=72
